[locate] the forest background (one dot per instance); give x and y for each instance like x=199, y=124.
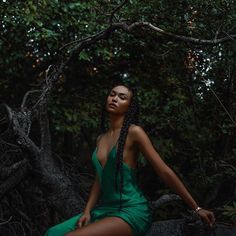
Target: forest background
x=186, y=92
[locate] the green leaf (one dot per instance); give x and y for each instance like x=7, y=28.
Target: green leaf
x=84, y=56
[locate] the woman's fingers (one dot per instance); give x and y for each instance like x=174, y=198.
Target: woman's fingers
x=207, y=216
x=211, y=218
x=83, y=221
x=86, y=222
x=80, y=222
x=207, y=219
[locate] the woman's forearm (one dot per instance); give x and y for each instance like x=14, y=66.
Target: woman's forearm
x=173, y=181
x=93, y=196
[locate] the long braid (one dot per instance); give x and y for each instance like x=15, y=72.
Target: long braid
x=131, y=117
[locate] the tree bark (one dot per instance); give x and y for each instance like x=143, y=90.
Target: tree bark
x=179, y=227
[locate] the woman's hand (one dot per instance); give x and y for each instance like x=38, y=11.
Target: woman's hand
x=207, y=216
x=84, y=219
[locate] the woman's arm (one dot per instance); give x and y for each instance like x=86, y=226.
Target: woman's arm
x=93, y=196
x=165, y=172
x=86, y=217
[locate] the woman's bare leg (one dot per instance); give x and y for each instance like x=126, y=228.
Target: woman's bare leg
x=109, y=226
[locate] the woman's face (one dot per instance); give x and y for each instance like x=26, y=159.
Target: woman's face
x=118, y=100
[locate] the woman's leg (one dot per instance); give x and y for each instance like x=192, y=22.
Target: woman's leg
x=64, y=227
x=109, y=226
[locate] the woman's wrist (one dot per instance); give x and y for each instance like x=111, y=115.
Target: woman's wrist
x=87, y=210
x=198, y=208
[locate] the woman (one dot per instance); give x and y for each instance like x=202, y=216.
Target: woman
x=123, y=210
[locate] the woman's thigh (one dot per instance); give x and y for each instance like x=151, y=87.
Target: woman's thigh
x=109, y=226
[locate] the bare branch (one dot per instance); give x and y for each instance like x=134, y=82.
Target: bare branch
x=223, y=106
x=44, y=130
x=112, y=15
x=26, y=96
x=225, y=164
x=7, y=171
x=218, y=31
x=130, y=28
x=7, y=109
x=14, y=179
x=22, y=137
x=164, y=199
x=230, y=36
x=88, y=38
x=7, y=221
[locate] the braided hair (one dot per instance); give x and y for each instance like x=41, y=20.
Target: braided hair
x=131, y=117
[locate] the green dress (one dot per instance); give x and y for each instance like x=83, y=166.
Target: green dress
x=135, y=208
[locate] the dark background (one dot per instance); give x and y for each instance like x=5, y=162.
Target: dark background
x=184, y=91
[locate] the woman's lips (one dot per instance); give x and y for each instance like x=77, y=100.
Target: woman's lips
x=112, y=105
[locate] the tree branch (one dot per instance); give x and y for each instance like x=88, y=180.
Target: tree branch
x=130, y=28
x=7, y=171
x=23, y=104
x=112, y=15
x=6, y=222
x=164, y=199
x=14, y=179
x=44, y=131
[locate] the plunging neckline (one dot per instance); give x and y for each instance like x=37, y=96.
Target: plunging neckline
x=96, y=149
x=103, y=167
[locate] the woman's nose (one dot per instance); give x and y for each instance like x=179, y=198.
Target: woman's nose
x=114, y=98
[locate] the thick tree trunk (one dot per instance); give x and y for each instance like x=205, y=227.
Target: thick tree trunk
x=56, y=186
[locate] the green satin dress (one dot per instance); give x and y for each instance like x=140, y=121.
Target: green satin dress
x=135, y=208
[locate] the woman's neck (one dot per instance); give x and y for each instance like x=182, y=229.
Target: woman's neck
x=115, y=123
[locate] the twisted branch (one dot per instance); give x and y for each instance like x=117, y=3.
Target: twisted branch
x=112, y=15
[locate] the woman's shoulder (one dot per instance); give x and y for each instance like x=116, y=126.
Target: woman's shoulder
x=135, y=129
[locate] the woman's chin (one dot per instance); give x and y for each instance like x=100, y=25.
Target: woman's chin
x=111, y=110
